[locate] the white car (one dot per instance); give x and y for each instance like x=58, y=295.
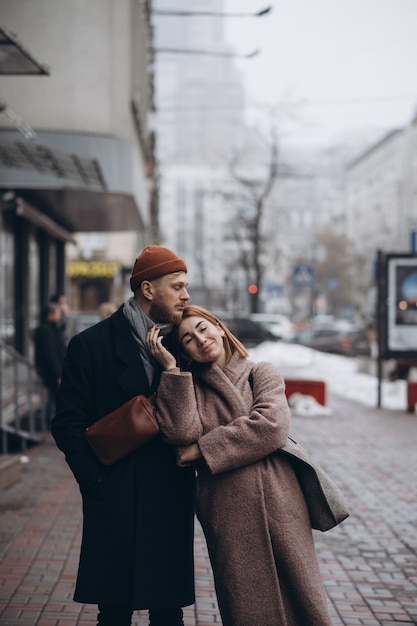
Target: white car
x=278, y=324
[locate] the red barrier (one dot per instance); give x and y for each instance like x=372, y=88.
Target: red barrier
x=411, y=396
x=315, y=388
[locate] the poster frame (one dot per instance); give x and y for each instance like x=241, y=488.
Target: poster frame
x=397, y=337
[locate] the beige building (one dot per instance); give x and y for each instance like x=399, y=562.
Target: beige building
x=77, y=171
x=76, y=152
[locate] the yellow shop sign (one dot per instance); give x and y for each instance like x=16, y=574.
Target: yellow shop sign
x=93, y=269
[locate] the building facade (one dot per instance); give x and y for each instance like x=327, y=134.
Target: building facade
x=381, y=199
x=78, y=197
x=76, y=154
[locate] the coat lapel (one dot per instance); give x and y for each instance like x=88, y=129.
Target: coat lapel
x=226, y=383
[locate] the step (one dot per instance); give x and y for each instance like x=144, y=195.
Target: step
x=9, y=469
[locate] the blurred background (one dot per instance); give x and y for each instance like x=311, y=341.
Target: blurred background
x=272, y=146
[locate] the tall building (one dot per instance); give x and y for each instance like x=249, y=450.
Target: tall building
x=200, y=128
x=381, y=197
x=199, y=96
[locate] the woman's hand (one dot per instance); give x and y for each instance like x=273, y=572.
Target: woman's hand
x=155, y=347
x=187, y=454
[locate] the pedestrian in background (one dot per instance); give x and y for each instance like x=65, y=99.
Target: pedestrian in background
x=106, y=309
x=67, y=323
x=137, y=545
x=49, y=354
x=228, y=416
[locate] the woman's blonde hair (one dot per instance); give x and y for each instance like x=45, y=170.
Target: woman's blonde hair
x=230, y=342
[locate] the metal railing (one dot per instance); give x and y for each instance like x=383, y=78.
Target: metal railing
x=22, y=399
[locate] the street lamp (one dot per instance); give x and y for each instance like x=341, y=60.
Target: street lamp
x=260, y=13
x=249, y=55
x=181, y=13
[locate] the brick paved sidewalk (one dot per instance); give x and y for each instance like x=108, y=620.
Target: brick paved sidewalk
x=369, y=563
x=40, y=535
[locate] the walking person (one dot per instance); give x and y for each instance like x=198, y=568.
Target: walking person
x=228, y=416
x=49, y=354
x=137, y=544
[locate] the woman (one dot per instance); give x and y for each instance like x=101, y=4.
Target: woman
x=228, y=417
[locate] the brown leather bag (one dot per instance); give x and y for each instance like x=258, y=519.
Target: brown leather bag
x=124, y=430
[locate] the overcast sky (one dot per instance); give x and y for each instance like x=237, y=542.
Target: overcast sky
x=351, y=64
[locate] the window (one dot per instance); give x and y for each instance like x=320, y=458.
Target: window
x=7, y=322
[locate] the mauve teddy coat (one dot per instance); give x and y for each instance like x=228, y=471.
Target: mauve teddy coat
x=249, y=502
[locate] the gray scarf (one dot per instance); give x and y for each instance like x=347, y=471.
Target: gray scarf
x=139, y=324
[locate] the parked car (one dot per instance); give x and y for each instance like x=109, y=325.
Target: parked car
x=278, y=324
x=348, y=342
x=249, y=332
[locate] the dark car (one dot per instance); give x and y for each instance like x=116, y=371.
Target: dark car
x=250, y=333
x=348, y=342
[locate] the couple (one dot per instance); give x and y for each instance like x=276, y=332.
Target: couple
x=218, y=435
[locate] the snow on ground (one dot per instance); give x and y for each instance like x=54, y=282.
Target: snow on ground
x=345, y=376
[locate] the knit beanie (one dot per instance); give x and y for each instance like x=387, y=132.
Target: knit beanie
x=153, y=262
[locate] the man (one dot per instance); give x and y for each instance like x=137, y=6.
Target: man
x=66, y=323
x=137, y=545
x=49, y=354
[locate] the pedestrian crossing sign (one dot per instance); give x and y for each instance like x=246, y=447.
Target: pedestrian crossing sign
x=303, y=275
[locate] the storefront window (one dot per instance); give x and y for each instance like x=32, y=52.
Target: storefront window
x=52, y=275
x=33, y=283
x=7, y=322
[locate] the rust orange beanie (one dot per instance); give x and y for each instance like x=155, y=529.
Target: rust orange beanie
x=153, y=262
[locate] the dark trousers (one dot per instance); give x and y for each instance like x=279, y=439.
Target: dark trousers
x=111, y=615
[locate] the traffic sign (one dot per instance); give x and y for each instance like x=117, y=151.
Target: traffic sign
x=303, y=275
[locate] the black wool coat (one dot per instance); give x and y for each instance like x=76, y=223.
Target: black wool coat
x=137, y=544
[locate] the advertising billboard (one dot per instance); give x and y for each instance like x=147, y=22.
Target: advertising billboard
x=401, y=304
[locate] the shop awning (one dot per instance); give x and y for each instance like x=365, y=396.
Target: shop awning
x=15, y=59
x=32, y=156
x=80, y=210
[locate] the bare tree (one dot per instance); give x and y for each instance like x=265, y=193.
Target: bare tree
x=335, y=272
x=245, y=229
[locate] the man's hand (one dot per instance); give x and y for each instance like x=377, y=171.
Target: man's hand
x=187, y=454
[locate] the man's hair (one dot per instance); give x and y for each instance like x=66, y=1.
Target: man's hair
x=50, y=307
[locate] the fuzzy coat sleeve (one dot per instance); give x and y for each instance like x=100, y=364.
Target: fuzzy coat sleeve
x=177, y=414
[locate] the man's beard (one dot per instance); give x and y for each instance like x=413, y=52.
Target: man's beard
x=160, y=312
